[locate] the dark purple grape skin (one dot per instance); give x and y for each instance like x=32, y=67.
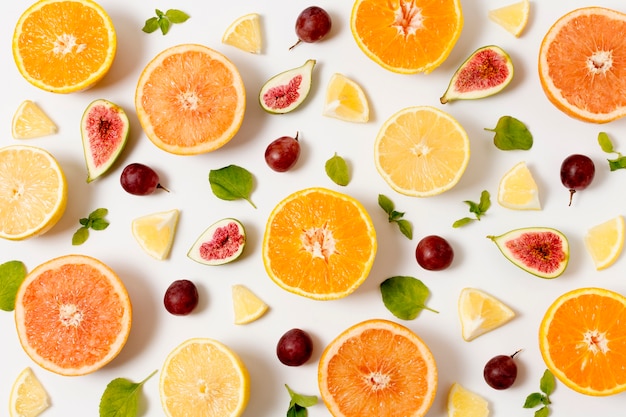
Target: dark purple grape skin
x=140, y=179
x=312, y=25
x=577, y=172
x=294, y=348
x=181, y=297
x=283, y=153
x=500, y=371
x=434, y=253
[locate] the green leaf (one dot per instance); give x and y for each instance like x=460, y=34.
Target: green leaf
x=478, y=209
x=405, y=228
x=176, y=16
x=605, y=142
x=297, y=411
x=231, y=183
x=300, y=399
x=462, y=222
x=337, y=170
x=405, y=297
x=547, y=384
x=98, y=213
x=395, y=216
x=121, y=398
x=151, y=25
x=485, y=202
x=12, y=274
x=159, y=13
x=80, y=236
x=84, y=221
x=385, y=203
x=619, y=163
x=542, y=412
x=473, y=207
x=99, y=224
x=533, y=400
x=164, y=25
x=511, y=134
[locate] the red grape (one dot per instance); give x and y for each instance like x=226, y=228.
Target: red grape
x=434, y=253
x=181, y=297
x=282, y=153
x=139, y=179
x=500, y=371
x=294, y=348
x=577, y=172
x=312, y=25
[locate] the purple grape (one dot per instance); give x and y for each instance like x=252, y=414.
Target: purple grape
x=294, y=348
x=434, y=253
x=312, y=25
x=181, y=297
x=282, y=153
x=577, y=172
x=500, y=371
x=139, y=179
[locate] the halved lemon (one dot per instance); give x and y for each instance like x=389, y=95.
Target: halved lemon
x=30, y=121
x=480, y=313
x=245, y=33
x=605, y=242
x=518, y=189
x=345, y=100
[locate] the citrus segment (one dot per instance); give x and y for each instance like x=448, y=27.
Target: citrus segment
x=28, y=396
x=480, y=313
x=581, y=62
x=203, y=377
x=68, y=304
x=319, y=243
x=512, y=17
x=190, y=99
x=421, y=151
x=247, y=306
x=30, y=121
x=406, y=36
x=33, y=192
x=155, y=232
x=345, y=100
x=64, y=46
x=465, y=403
x=582, y=340
x=245, y=33
x=518, y=189
x=605, y=242
x=377, y=368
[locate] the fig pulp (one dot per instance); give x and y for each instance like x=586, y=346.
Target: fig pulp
x=220, y=243
x=104, y=129
x=541, y=251
x=486, y=72
x=284, y=92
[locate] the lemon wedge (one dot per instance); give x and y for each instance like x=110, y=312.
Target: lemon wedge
x=465, y=403
x=480, y=313
x=248, y=307
x=28, y=397
x=513, y=17
x=155, y=232
x=345, y=100
x=605, y=242
x=245, y=34
x=30, y=121
x=518, y=189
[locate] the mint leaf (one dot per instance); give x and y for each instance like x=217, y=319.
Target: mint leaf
x=12, y=274
x=385, y=203
x=533, y=400
x=478, y=209
x=232, y=183
x=395, y=216
x=164, y=21
x=94, y=221
x=462, y=222
x=151, y=25
x=607, y=146
x=298, y=403
x=542, y=412
x=121, y=398
x=405, y=297
x=337, y=170
x=98, y=213
x=511, y=134
x=547, y=383
x=605, y=142
x=176, y=16
x=80, y=236
x=99, y=224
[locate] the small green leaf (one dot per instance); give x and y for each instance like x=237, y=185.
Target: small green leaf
x=542, y=412
x=164, y=25
x=337, y=170
x=405, y=228
x=80, y=236
x=12, y=274
x=478, y=209
x=176, y=16
x=151, y=25
x=619, y=163
x=511, y=134
x=385, y=203
x=99, y=224
x=300, y=399
x=297, y=411
x=533, y=400
x=232, y=183
x=395, y=216
x=405, y=297
x=462, y=222
x=473, y=207
x=84, y=221
x=121, y=398
x=159, y=13
x=547, y=384
x=98, y=213
x=485, y=202
x=605, y=142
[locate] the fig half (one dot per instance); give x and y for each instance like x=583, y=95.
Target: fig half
x=542, y=251
x=286, y=91
x=220, y=243
x=486, y=72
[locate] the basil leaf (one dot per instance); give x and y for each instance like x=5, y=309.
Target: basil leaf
x=405, y=297
x=542, y=412
x=12, y=274
x=297, y=411
x=605, y=142
x=533, y=400
x=176, y=16
x=231, y=183
x=121, y=398
x=462, y=222
x=395, y=216
x=619, y=163
x=84, y=221
x=99, y=224
x=151, y=25
x=473, y=207
x=405, y=228
x=337, y=170
x=547, y=383
x=80, y=236
x=98, y=213
x=511, y=134
x=299, y=402
x=485, y=202
x=164, y=25
x=385, y=203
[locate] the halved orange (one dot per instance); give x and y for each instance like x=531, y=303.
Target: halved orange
x=319, y=243
x=582, y=339
x=73, y=315
x=64, y=46
x=407, y=36
x=190, y=99
x=582, y=64
x=377, y=368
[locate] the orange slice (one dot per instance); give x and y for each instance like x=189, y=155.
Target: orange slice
x=64, y=46
x=581, y=63
x=407, y=36
x=319, y=243
x=73, y=315
x=377, y=368
x=190, y=99
x=582, y=340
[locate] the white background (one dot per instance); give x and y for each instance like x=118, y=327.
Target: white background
x=477, y=263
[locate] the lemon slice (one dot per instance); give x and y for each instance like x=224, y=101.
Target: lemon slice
x=155, y=232
x=480, y=313
x=345, y=100
x=248, y=307
x=465, y=403
x=512, y=17
x=28, y=397
x=29, y=121
x=245, y=33
x=518, y=189
x=605, y=242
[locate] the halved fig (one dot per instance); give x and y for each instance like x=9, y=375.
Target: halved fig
x=284, y=92
x=220, y=243
x=486, y=72
x=541, y=251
